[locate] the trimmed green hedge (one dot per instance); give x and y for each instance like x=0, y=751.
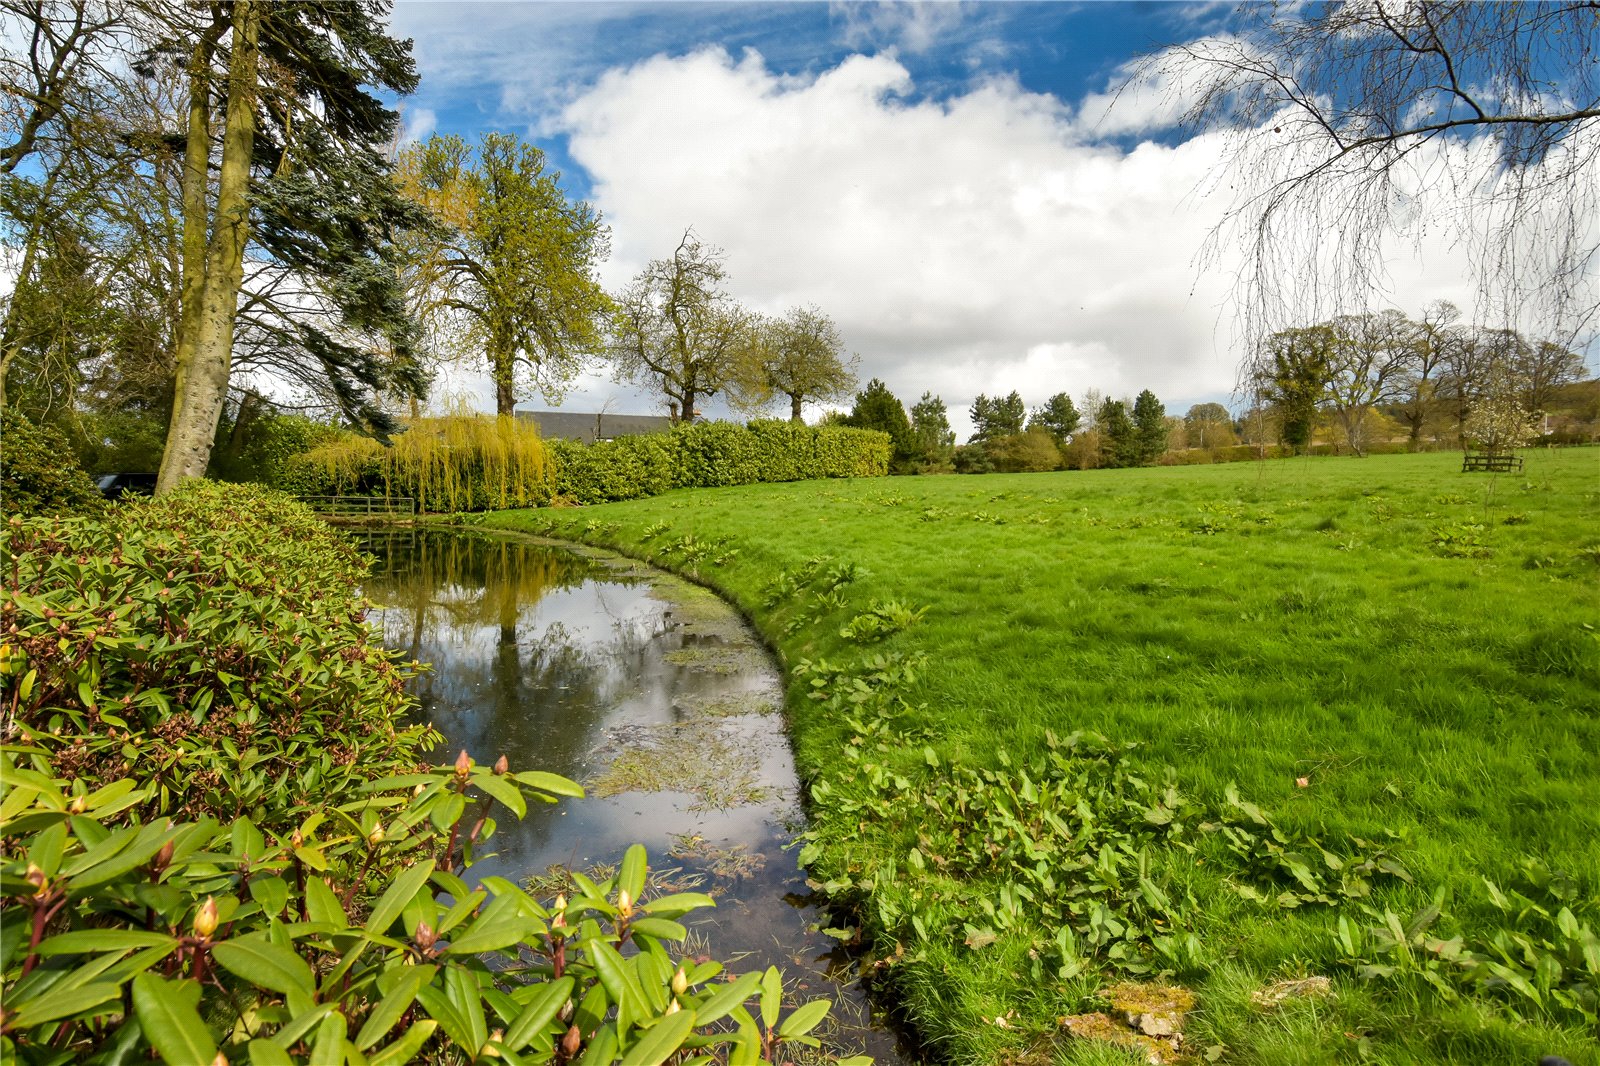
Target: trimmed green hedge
x=712, y=454
x=702, y=455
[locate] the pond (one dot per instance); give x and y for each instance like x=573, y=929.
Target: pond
x=653, y=694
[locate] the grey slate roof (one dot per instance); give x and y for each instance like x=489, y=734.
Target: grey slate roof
x=573, y=425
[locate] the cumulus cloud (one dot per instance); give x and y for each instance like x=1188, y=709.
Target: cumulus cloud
x=978, y=244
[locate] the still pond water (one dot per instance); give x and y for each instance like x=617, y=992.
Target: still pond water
x=652, y=693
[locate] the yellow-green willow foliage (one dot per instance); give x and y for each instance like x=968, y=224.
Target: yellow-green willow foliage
x=453, y=462
x=467, y=462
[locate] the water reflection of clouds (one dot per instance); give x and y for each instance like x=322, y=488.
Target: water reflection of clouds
x=550, y=659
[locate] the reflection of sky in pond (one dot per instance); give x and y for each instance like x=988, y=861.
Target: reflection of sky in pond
x=559, y=662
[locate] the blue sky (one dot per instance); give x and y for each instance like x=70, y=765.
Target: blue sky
x=946, y=180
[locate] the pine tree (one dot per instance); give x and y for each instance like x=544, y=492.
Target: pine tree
x=1150, y=427
x=278, y=92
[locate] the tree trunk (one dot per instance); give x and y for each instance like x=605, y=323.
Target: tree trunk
x=688, y=406
x=794, y=407
x=196, y=217
x=206, y=350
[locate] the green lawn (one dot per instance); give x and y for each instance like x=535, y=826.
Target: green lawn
x=1418, y=644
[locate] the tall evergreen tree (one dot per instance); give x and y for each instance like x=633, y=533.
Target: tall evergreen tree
x=278, y=94
x=1150, y=427
x=878, y=408
x=932, y=439
x=1119, y=443
x=996, y=418
x=1058, y=417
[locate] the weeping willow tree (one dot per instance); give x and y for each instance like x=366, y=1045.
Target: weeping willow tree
x=452, y=462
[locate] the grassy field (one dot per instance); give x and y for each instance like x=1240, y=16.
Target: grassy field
x=1364, y=699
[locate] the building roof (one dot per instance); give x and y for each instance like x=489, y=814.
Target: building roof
x=574, y=425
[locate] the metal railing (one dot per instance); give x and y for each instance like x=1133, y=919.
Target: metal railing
x=362, y=506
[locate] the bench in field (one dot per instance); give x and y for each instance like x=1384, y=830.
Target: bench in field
x=1499, y=464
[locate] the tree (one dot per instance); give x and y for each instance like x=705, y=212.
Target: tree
x=1119, y=442
x=277, y=95
x=1291, y=372
x=1029, y=452
x=1149, y=427
x=801, y=357
x=676, y=327
x=1058, y=417
x=878, y=408
x=1348, y=123
x=1208, y=425
x=1370, y=356
x=932, y=439
x=996, y=418
x=1541, y=369
x=1432, y=339
x=513, y=258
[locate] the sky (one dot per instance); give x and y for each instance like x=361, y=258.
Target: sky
x=958, y=185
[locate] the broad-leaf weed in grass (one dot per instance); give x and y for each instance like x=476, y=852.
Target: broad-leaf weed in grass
x=1292, y=693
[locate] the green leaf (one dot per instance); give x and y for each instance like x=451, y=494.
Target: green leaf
x=400, y=892
x=328, y=1047
x=661, y=1040
x=541, y=1009
x=389, y=1010
x=635, y=865
x=492, y=935
x=321, y=904
x=265, y=964
x=554, y=784
x=678, y=904
x=264, y=1052
x=167, y=1013
x=727, y=997
x=771, y=997
x=56, y=1002
x=805, y=1019
x=273, y=894
x=503, y=791
x=82, y=941
x=405, y=1049
x=660, y=928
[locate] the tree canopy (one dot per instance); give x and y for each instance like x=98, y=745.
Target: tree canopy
x=677, y=329
x=800, y=357
x=512, y=257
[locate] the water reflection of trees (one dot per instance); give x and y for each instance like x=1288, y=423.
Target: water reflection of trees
x=447, y=581
x=514, y=670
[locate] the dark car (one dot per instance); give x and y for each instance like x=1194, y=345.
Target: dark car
x=116, y=486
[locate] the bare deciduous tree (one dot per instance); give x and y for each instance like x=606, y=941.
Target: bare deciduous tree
x=1349, y=124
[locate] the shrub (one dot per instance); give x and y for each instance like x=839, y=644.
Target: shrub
x=972, y=459
x=205, y=654
x=209, y=646
x=622, y=469
x=39, y=474
x=1028, y=452
x=710, y=454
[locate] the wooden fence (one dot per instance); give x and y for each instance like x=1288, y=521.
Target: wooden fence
x=375, y=507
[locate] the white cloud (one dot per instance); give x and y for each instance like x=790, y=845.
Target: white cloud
x=914, y=26
x=974, y=245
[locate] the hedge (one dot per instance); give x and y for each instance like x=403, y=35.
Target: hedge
x=702, y=455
